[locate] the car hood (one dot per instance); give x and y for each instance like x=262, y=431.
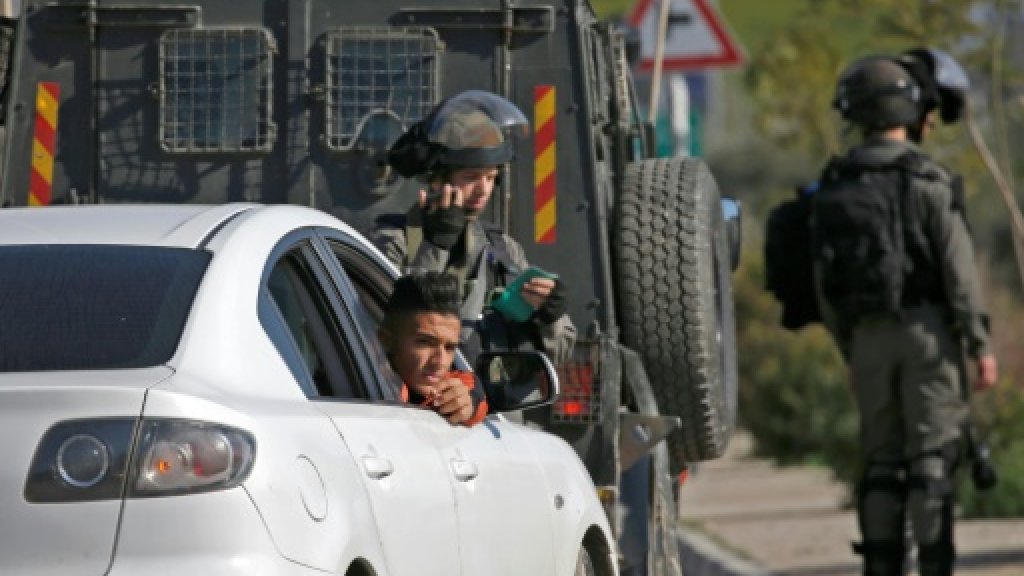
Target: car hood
x=39, y=538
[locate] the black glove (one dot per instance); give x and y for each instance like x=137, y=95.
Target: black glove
x=552, y=308
x=443, y=226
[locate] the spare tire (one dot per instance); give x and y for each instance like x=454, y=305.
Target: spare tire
x=674, y=296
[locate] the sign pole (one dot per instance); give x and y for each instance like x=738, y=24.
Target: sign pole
x=687, y=35
x=659, y=57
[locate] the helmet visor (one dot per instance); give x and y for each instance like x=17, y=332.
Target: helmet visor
x=475, y=129
x=475, y=119
x=948, y=72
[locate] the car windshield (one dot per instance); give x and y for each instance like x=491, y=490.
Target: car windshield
x=83, y=307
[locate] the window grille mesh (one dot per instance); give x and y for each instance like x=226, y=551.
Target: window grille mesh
x=379, y=71
x=215, y=93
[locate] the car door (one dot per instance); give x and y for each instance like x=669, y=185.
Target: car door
x=503, y=504
x=404, y=477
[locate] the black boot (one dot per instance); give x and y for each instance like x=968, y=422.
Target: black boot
x=882, y=558
x=935, y=559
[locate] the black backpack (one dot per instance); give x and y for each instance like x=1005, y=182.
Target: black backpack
x=867, y=237
x=788, y=266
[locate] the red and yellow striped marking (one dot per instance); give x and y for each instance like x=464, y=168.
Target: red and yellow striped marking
x=44, y=144
x=544, y=176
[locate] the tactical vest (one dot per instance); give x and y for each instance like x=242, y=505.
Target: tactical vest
x=868, y=239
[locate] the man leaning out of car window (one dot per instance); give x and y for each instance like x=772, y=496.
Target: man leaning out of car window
x=420, y=333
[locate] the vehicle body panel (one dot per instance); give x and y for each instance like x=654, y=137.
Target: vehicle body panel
x=407, y=485
x=42, y=539
x=305, y=486
x=497, y=476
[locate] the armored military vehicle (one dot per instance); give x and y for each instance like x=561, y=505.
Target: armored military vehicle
x=297, y=101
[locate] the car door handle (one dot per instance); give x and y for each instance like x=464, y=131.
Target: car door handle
x=377, y=467
x=464, y=471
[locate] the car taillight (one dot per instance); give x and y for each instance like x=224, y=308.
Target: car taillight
x=579, y=399
x=81, y=460
x=186, y=456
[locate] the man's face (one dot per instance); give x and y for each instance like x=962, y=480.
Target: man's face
x=476, y=185
x=422, y=348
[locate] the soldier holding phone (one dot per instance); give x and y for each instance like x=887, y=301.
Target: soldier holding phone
x=458, y=149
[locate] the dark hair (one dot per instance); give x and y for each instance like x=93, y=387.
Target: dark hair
x=419, y=292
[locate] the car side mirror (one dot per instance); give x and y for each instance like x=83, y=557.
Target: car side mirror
x=514, y=380
x=732, y=214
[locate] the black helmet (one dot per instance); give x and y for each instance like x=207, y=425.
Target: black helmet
x=469, y=130
x=945, y=77
x=877, y=92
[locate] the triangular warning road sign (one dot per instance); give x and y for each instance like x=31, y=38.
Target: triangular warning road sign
x=696, y=37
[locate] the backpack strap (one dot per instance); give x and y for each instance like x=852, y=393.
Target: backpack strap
x=840, y=168
x=411, y=224
x=499, y=259
x=413, y=232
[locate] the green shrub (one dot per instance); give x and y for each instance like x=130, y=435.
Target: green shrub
x=794, y=396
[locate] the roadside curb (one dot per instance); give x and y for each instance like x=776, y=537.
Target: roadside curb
x=702, y=557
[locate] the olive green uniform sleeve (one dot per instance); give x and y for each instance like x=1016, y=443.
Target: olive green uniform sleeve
x=954, y=253
x=392, y=242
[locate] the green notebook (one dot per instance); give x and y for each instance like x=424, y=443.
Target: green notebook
x=511, y=303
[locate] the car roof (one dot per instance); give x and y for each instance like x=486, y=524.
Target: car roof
x=184, y=226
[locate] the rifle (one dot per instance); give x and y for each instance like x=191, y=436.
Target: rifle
x=983, y=472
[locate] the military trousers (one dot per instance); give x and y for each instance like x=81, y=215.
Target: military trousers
x=907, y=380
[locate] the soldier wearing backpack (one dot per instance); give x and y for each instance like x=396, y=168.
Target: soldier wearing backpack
x=898, y=289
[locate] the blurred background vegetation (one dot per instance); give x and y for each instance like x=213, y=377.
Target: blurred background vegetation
x=774, y=131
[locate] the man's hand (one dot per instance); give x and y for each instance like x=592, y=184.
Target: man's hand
x=547, y=297
x=451, y=399
x=537, y=290
x=444, y=218
x=988, y=372
x=441, y=196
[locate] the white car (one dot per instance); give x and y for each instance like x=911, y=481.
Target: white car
x=200, y=390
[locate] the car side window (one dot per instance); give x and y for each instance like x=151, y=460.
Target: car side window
x=313, y=328
x=372, y=285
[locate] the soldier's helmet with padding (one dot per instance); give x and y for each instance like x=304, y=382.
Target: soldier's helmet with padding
x=473, y=129
x=877, y=92
x=944, y=78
